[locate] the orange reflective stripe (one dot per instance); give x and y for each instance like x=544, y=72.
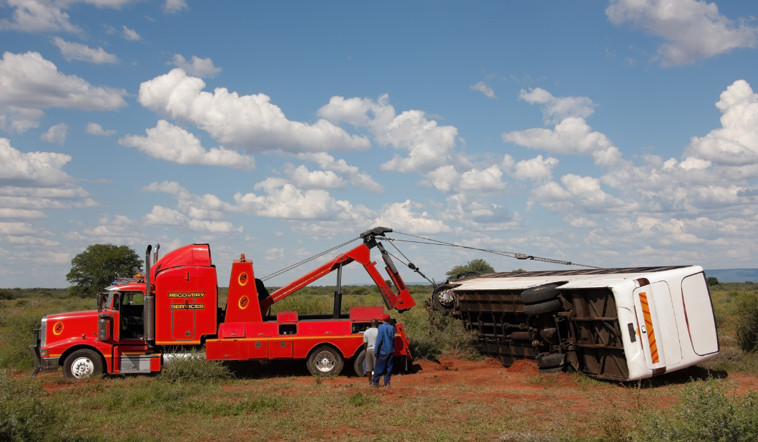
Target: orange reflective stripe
x=649, y=328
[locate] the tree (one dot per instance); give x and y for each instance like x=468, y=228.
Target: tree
x=712, y=280
x=475, y=266
x=95, y=268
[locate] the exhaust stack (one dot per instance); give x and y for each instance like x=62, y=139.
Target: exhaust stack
x=148, y=315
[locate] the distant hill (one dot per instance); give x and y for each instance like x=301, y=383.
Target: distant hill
x=734, y=275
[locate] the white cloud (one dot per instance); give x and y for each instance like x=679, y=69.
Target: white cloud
x=172, y=143
x=35, y=181
x=130, y=34
x=280, y=199
x=96, y=129
x=402, y=217
x=79, y=52
x=352, y=174
x=33, y=168
x=571, y=134
x=484, y=89
x=694, y=30
x=428, y=145
x=317, y=179
x=577, y=194
x=201, y=67
x=735, y=144
x=21, y=213
x=31, y=84
x=555, y=109
x=38, y=16
x=248, y=122
x=174, y=6
x=55, y=134
x=197, y=213
x=537, y=169
x=48, y=16
x=482, y=180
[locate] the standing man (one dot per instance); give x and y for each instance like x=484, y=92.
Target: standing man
x=369, y=342
x=384, y=351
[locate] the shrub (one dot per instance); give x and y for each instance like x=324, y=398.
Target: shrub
x=195, y=368
x=706, y=412
x=747, y=323
x=23, y=416
x=433, y=334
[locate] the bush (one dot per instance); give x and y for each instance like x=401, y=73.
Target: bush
x=17, y=334
x=433, y=334
x=195, y=368
x=23, y=416
x=706, y=413
x=747, y=323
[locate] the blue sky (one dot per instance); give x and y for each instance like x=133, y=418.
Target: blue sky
x=619, y=133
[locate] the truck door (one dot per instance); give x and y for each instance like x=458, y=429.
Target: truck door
x=183, y=318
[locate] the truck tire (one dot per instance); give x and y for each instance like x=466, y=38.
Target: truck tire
x=543, y=307
x=83, y=364
x=358, y=363
x=540, y=293
x=547, y=361
x=443, y=300
x=325, y=361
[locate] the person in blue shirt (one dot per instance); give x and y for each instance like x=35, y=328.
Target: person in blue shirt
x=384, y=349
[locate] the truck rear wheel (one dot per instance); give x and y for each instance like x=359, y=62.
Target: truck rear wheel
x=358, y=364
x=541, y=293
x=543, y=307
x=83, y=364
x=325, y=361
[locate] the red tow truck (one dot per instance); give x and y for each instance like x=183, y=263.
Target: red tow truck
x=142, y=324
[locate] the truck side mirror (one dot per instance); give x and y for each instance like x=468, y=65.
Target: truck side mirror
x=104, y=327
x=100, y=299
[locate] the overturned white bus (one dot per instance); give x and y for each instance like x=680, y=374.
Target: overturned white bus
x=618, y=324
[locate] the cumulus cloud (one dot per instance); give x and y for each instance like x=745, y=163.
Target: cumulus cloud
x=403, y=217
x=694, y=30
x=198, y=213
x=33, y=168
x=56, y=134
x=317, y=179
x=34, y=181
x=735, y=144
x=96, y=129
x=428, y=145
x=172, y=143
x=537, y=169
x=352, y=174
x=31, y=84
x=249, y=122
x=79, y=52
x=48, y=16
x=279, y=199
x=571, y=134
x=201, y=67
x=577, y=193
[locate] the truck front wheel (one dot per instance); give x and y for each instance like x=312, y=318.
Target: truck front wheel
x=325, y=361
x=83, y=364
